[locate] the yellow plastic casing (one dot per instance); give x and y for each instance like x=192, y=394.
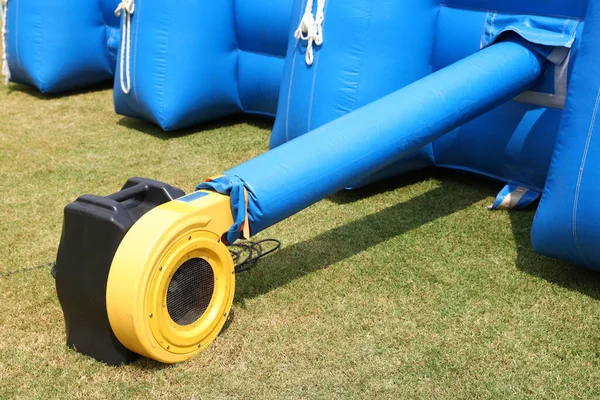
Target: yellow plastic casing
x=141, y=271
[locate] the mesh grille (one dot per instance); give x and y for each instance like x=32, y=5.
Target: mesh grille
x=190, y=291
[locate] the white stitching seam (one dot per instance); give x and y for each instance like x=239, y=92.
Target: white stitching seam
x=312, y=90
x=289, y=99
x=135, y=46
x=580, y=178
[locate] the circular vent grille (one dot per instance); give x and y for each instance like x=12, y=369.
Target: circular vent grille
x=190, y=291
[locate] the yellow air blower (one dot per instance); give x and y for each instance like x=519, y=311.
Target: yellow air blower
x=145, y=272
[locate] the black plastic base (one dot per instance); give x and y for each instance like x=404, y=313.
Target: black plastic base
x=93, y=228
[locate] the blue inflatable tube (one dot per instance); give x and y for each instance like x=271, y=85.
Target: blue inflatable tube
x=311, y=167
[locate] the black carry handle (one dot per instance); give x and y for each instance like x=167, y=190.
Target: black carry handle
x=137, y=190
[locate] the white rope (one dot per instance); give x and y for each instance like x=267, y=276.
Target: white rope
x=311, y=28
x=127, y=7
x=5, y=69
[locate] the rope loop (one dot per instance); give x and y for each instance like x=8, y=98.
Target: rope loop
x=126, y=5
x=310, y=28
x=127, y=8
x=306, y=29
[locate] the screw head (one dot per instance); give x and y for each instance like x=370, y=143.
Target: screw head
x=168, y=347
x=160, y=268
x=151, y=315
x=190, y=237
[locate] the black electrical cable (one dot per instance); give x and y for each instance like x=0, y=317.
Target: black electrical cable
x=246, y=254
x=245, y=257
x=30, y=269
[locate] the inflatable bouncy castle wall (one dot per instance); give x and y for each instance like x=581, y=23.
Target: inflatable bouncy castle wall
x=215, y=59
x=370, y=49
x=60, y=45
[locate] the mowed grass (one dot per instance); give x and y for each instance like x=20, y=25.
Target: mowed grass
x=408, y=289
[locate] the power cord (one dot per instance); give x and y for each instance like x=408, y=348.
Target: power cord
x=247, y=253
x=245, y=257
x=30, y=269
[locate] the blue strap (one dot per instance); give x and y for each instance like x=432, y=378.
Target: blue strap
x=232, y=186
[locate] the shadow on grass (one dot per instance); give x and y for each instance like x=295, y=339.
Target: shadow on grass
x=453, y=195
x=456, y=192
x=148, y=364
x=151, y=129
x=411, y=178
x=34, y=92
x=561, y=273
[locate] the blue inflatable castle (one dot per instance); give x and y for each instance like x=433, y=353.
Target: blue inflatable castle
x=360, y=91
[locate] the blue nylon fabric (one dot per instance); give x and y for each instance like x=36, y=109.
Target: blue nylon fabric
x=299, y=173
x=233, y=186
x=557, y=8
x=515, y=141
x=224, y=57
x=546, y=31
x=369, y=51
x=567, y=223
x=196, y=61
x=181, y=72
x=60, y=45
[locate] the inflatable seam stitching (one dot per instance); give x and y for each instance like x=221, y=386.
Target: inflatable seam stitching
x=430, y=148
x=511, y=13
x=580, y=178
x=314, y=80
x=289, y=99
x=237, y=61
x=17, y=35
x=41, y=55
x=362, y=61
x=312, y=89
x=107, y=38
x=135, y=44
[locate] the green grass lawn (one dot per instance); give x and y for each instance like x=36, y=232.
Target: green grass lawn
x=408, y=289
